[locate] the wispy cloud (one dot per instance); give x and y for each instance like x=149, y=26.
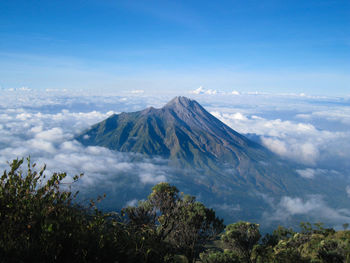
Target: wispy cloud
x=313, y=206
x=347, y=189
x=310, y=173
x=202, y=90
x=137, y=91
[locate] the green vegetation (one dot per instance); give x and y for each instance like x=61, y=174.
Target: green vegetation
x=41, y=221
x=182, y=223
x=240, y=243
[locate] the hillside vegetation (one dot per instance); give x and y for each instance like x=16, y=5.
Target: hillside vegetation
x=41, y=221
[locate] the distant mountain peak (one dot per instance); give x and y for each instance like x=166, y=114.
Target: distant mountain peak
x=182, y=130
x=205, y=155
x=180, y=101
x=197, y=143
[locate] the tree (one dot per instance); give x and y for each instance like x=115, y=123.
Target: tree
x=242, y=237
x=41, y=222
x=195, y=226
x=264, y=251
x=179, y=220
x=330, y=251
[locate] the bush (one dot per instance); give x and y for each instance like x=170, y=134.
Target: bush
x=220, y=257
x=40, y=222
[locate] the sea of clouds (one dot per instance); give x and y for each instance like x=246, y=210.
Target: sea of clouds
x=311, y=131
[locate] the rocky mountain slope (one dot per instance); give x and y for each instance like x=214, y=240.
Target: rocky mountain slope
x=211, y=160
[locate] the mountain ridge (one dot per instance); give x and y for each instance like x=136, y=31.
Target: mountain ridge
x=184, y=132
x=209, y=158
x=170, y=130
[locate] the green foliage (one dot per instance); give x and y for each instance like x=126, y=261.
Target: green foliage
x=331, y=251
x=181, y=222
x=314, y=244
x=220, y=257
x=40, y=221
x=307, y=228
x=242, y=237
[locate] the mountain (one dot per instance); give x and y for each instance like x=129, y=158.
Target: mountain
x=211, y=160
x=184, y=132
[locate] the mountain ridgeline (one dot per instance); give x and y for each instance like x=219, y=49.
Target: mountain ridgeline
x=182, y=130
x=211, y=159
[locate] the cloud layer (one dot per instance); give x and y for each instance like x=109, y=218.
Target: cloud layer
x=313, y=206
x=49, y=139
x=295, y=138
x=297, y=128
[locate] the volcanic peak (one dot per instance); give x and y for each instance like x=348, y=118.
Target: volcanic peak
x=180, y=101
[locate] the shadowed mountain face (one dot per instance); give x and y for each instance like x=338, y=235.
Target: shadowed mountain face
x=212, y=160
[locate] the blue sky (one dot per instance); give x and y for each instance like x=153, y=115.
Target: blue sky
x=173, y=47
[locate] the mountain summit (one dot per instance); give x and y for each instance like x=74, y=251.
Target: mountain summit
x=190, y=137
x=210, y=159
x=182, y=130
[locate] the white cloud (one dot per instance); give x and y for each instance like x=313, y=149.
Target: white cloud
x=347, y=189
x=150, y=178
x=132, y=202
x=137, y=91
x=38, y=145
x=37, y=129
x=52, y=135
x=276, y=145
x=48, y=138
x=23, y=116
x=301, y=142
x=24, y=88
x=44, y=129
x=239, y=116
x=211, y=92
x=313, y=206
x=310, y=173
x=235, y=92
x=55, y=90
x=198, y=91
x=296, y=205
x=202, y=90
x=337, y=114
x=304, y=152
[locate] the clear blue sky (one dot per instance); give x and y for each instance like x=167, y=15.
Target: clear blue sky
x=175, y=46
